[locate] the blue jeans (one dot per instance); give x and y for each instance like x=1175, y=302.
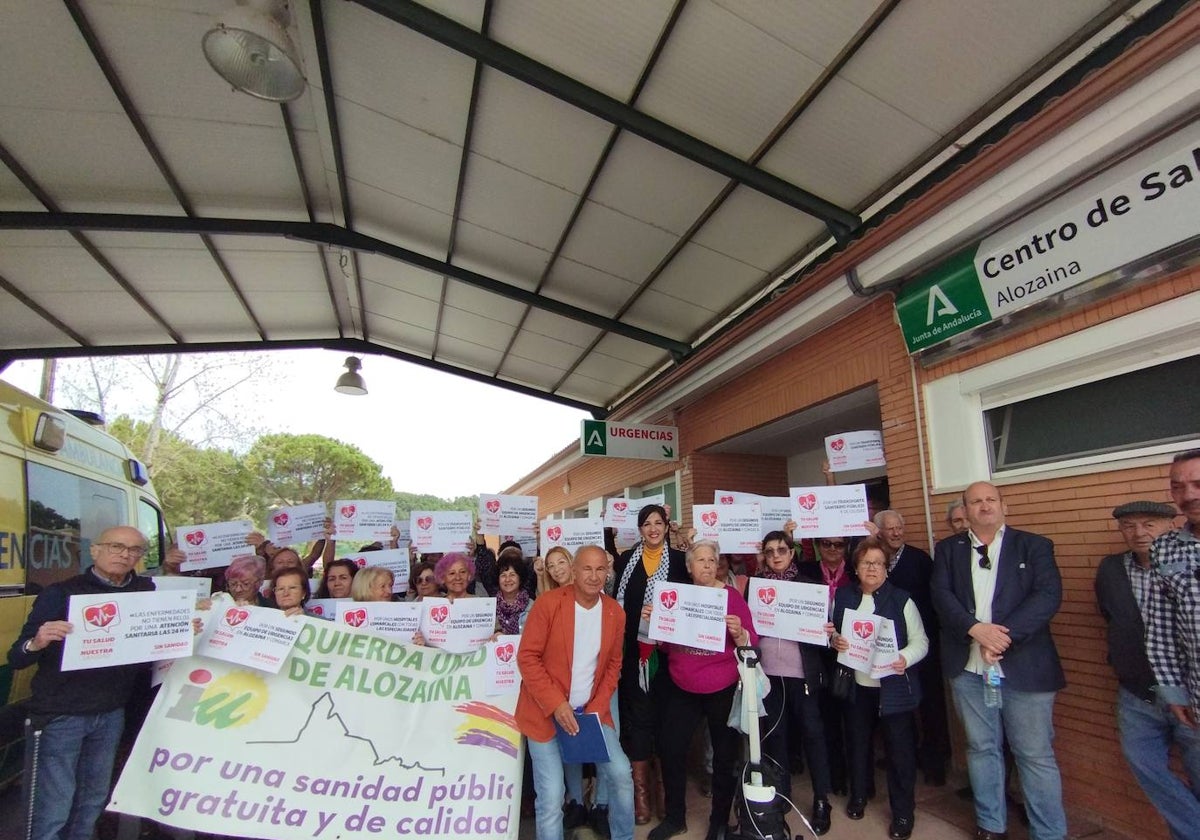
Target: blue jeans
x=1027, y=719
x=74, y=762
x=548, y=783
x=1147, y=730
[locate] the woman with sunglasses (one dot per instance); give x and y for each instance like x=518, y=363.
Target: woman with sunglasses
x=891, y=700
x=421, y=582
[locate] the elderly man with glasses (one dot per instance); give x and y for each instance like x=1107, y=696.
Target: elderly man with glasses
x=75, y=717
x=995, y=590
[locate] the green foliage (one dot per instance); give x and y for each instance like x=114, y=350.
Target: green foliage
x=406, y=503
x=296, y=469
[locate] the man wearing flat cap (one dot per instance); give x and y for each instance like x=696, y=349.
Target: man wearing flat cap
x=1125, y=585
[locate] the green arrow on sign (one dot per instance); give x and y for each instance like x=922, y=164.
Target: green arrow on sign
x=595, y=437
x=668, y=451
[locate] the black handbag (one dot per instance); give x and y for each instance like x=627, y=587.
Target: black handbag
x=841, y=682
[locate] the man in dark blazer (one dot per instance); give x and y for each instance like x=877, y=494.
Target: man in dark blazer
x=995, y=590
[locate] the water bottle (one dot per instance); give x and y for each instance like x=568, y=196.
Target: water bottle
x=992, y=678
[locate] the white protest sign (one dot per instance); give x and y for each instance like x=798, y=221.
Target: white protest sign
x=501, y=675
x=297, y=524
x=621, y=514
x=854, y=450
x=257, y=637
x=461, y=626
x=201, y=586
x=323, y=607
x=213, y=543
x=526, y=538
x=691, y=615
x=395, y=560
x=440, y=531
x=363, y=519
x=355, y=733
x=499, y=514
x=838, y=511
x=124, y=628
x=859, y=629
x=886, y=651
x=775, y=511
x=398, y=619
x=736, y=528
x=572, y=534
x=785, y=609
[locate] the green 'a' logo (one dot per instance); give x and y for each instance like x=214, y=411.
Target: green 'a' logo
x=595, y=437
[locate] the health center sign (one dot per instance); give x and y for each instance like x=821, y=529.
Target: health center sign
x=607, y=439
x=1139, y=207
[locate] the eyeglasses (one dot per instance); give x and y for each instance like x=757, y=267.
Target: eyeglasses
x=831, y=544
x=871, y=564
x=137, y=552
x=985, y=562
x=778, y=551
x=425, y=579
x=239, y=584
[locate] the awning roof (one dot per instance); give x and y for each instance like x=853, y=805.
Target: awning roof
x=555, y=195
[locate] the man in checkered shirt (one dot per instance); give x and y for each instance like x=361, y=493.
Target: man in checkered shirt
x=1173, y=616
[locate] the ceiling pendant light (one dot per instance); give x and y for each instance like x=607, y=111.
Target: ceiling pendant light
x=351, y=382
x=249, y=47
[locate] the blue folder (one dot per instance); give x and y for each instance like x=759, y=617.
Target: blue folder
x=588, y=746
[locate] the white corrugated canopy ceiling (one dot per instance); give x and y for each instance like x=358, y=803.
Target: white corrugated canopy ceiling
x=434, y=206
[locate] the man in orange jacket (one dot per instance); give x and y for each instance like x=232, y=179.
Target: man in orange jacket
x=570, y=658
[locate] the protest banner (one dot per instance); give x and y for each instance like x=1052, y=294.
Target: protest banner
x=736, y=528
x=854, y=450
x=364, y=519
x=572, y=534
x=395, y=619
x=297, y=524
x=395, y=560
x=527, y=538
x=322, y=607
x=886, y=652
x=201, y=587
x=690, y=615
x=124, y=628
x=837, y=511
x=501, y=673
x=461, y=626
x=213, y=544
x=357, y=737
x=792, y=610
x=499, y=514
x=774, y=511
x=859, y=629
x=257, y=637
x=435, y=531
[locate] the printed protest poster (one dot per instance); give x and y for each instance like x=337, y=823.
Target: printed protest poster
x=502, y=674
x=357, y=737
x=201, y=587
x=855, y=450
x=213, y=543
x=499, y=514
x=396, y=619
x=774, y=511
x=123, y=628
x=395, y=560
x=690, y=615
x=297, y=524
x=736, y=528
x=527, y=538
x=622, y=515
x=257, y=637
x=886, y=651
x=459, y=626
x=785, y=609
x=363, y=519
x=572, y=534
x=837, y=511
x=435, y=531
x=859, y=629
x=322, y=607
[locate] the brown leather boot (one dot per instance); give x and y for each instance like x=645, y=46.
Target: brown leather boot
x=641, y=792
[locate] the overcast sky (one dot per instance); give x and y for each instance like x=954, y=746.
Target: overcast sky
x=431, y=432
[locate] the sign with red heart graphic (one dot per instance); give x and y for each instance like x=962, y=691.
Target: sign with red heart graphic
x=361, y=562
x=837, y=445
x=348, y=511
x=355, y=618
x=620, y=506
x=554, y=532
x=280, y=518
x=425, y=522
x=668, y=598
x=767, y=595
x=863, y=629
x=194, y=537
x=505, y=652
x=235, y=616
x=493, y=505
x=439, y=613
x=317, y=610
x=709, y=518
x=808, y=501
x=100, y=615
x=725, y=500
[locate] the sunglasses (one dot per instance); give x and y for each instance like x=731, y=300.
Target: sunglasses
x=831, y=544
x=425, y=579
x=985, y=562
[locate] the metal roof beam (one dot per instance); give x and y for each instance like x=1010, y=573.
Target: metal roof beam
x=471, y=43
x=322, y=233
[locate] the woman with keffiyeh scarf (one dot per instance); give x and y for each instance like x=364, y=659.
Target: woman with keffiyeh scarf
x=651, y=560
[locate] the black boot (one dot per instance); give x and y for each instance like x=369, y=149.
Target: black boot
x=821, y=816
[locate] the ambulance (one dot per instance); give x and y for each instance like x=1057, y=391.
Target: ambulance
x=63, y=481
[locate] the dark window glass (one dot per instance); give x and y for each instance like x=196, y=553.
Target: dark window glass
x=66, y=513
x=150, y=523
x=1154, y=405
